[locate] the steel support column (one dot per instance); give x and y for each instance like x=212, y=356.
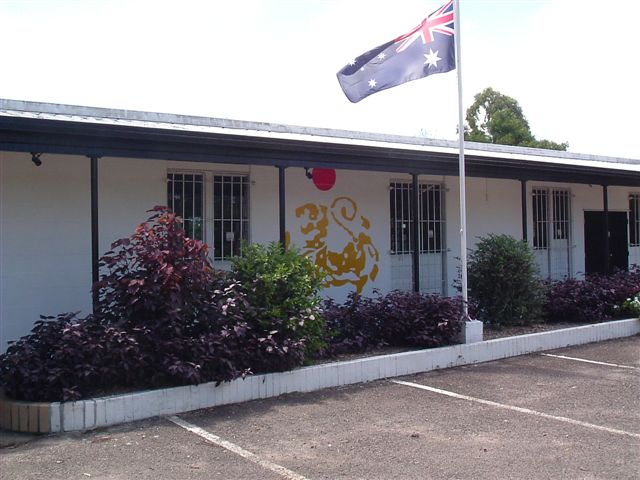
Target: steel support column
x=523, y=189
x=281, y=206
x=415, y=238
x=605, y=232
x=95, y=268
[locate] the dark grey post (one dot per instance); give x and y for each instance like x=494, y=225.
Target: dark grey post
x=95, y=269
x=282, y=192
x=605, y=201
x=523, y=188
x=415, y=259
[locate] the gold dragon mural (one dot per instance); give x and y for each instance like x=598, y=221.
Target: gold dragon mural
x=324, y=227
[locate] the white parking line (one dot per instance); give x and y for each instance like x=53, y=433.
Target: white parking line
x=284, y=472
x=590, y=361
x=517, y=409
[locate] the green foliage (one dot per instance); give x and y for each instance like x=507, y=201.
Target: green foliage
x=631, y=306
x=546, y=144
x=283, y=285
x=503, y=281
x=497, y=118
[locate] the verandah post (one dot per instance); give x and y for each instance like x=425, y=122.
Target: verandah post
x=415, y=237
x=95, y=267
x=281, y=206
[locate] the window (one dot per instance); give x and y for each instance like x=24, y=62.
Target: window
x=185, y=197
x=560, y=222
x=430, y=218
x=634, y=220
x=540, y=211
x=230, y=215
x=560, y=214
x=551, y=212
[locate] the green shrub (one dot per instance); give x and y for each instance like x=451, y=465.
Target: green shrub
x=283, y=285
x=503, y=281
x=631, y=306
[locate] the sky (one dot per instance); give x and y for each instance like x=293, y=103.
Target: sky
x=571, y=64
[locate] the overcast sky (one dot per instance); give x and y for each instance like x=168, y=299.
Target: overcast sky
x=571, y=64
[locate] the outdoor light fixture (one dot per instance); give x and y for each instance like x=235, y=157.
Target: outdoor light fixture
x=35, y=158
x=308, y=173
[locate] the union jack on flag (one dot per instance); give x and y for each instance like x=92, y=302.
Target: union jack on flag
x=440, y=21
x=427, y=49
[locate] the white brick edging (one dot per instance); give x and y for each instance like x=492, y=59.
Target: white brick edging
x=104, y=411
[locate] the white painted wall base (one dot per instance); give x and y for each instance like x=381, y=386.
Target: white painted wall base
x=105, y=411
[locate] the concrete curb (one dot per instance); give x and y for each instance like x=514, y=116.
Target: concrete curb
x=104, y=411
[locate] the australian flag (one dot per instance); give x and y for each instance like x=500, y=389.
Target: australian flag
x=427, y=49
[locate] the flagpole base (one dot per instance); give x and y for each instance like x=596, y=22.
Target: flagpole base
x=472, y=331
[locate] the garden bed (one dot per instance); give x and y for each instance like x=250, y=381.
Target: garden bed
x=48, y=417
x=166, y=321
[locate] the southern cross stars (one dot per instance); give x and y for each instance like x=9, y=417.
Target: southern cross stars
x=432, y=58
x=372, y=83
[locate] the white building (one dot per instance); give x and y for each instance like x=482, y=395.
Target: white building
x=73, y=179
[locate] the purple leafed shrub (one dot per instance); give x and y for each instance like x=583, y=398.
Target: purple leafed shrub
x=354, y=326
x=68, y=358
x=418, y=320
x=591, y=300
x=401, y=319
x=164, y=318
x=158, y=276
x=65, y=356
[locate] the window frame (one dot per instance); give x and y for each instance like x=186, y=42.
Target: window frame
x=244, y=219
x=551, y=216
x=561, y=213
x=187, y=220
x=431, y=217
x=540, y=207
x=215, y=224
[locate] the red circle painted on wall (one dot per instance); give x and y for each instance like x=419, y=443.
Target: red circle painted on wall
x=324, y=178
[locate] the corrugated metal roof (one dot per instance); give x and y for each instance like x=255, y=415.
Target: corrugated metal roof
x=185, y=123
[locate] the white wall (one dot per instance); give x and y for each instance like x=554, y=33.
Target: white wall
x=45, y=240
x=264, y=212
x=369, y=192
x=127, y=189
x=493, y=206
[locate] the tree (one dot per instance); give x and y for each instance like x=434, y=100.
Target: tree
x=497, y=118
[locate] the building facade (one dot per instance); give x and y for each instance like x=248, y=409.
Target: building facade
x=346, y=199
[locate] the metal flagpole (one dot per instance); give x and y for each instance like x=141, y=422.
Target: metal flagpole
x=463, y=194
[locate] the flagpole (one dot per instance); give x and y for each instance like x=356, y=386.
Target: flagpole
x=463, y=193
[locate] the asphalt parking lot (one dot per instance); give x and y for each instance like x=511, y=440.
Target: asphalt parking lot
x=569, y=413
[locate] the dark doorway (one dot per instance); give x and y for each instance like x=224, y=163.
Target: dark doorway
x=594, y=242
